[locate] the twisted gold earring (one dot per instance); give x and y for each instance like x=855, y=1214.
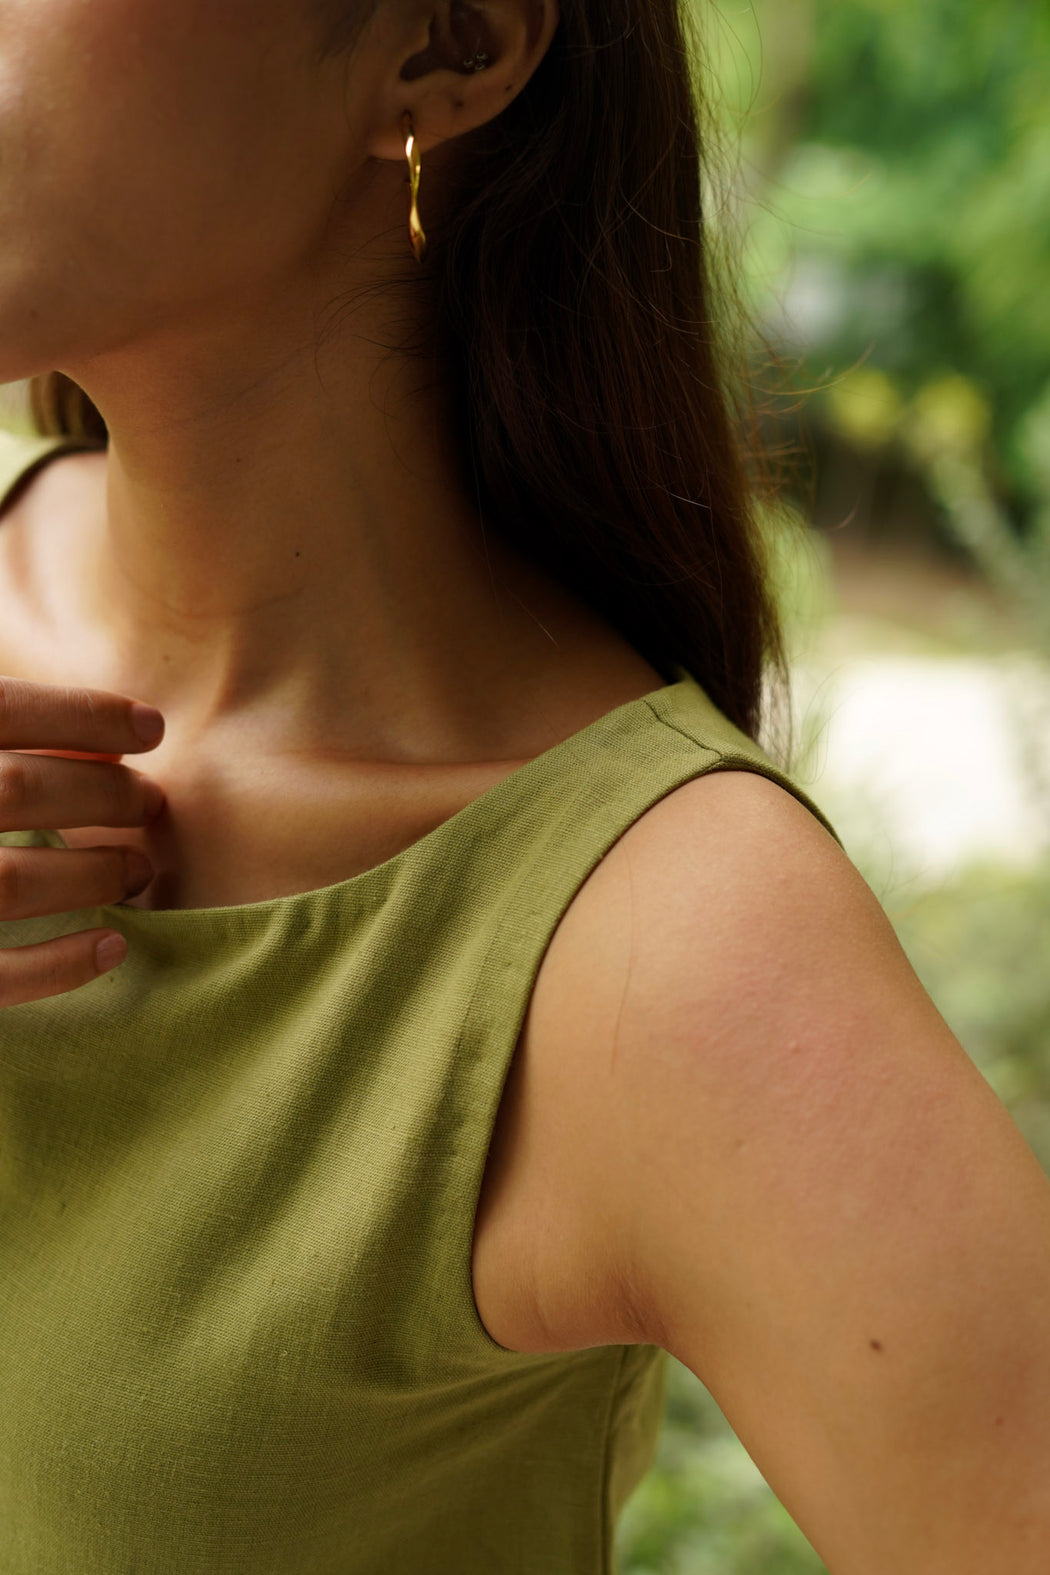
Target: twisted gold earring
x=415, y=169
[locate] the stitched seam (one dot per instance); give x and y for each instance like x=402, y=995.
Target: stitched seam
x=709, y=749
x=770, y=770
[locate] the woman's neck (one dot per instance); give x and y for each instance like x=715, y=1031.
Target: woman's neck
x=279, y=526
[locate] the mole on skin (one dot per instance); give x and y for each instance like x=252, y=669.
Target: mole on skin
x=876, y=1345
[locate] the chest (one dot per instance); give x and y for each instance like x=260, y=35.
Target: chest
x=241, y=1326
x=232, y=835
x=242, y=825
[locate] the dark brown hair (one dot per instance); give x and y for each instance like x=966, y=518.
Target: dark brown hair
x=594, y=356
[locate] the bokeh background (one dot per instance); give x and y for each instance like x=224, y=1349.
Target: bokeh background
x=886, y=166
x=884, y=169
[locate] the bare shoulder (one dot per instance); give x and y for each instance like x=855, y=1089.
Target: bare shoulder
x=808, y=1192
x=749, y=1137
x=65, y=472
x=39, y=519
x=735, y=827
x=730, y=898
x=723, y=897
x=66, y=479
x=631, y=953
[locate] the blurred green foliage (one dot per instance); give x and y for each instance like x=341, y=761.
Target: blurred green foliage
x=895, y=170
x=980, y=946
x=893, y=188
x=705, y=1509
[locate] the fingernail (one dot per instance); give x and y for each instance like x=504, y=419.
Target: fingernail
x=147, y=722
x=138, y=872
x=110, y=952
x=153, y=797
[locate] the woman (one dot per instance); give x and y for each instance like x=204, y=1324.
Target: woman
x=496, y=1015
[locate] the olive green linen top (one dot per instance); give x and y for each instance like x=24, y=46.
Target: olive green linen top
x=238, y=1182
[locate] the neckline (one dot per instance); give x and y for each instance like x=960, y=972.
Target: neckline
x=491, y=801
x=251, y=913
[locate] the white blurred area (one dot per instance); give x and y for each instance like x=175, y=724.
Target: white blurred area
x=921, y=710
x=926, y=764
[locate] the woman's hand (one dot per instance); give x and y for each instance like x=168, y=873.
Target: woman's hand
x=74, y=780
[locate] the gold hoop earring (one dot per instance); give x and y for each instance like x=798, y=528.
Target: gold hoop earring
x=415, y=169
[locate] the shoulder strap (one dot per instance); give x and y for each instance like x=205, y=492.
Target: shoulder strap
x=689, y=710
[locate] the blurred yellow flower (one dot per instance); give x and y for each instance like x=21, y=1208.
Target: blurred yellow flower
x=949, y=417
x=864, y=406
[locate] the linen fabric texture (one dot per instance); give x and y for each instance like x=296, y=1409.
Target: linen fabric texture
x=238, y=1184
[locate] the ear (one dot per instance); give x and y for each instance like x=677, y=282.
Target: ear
x=431, y=45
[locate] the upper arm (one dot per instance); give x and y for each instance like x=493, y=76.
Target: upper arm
x=821, y=1207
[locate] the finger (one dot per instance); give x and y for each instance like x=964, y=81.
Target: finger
x=40, y=794
x=73, y=754
x=38, y=881
x=41, y=716
x=32, y=973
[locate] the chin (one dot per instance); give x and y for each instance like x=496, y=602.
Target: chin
x=16, y=367
x=28, y=343
x=37, y=333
